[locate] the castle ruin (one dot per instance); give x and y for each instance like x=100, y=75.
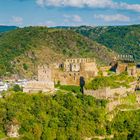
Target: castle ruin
x=70, y=71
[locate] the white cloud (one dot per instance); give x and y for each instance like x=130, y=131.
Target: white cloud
x=133, y=7
x=77, y=18
x=17, y=20
x=40, y=2
x=90, y=3
x=111, y=18
x=76, y=3
x=72, y=18
x=47, y=23
x=2, y=24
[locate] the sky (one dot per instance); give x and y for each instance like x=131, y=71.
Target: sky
x=69, y=12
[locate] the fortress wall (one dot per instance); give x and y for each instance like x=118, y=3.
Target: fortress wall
x=66, y=78
x=90, y=68
x=121, y=68
x=108, y=92
x=36, y=86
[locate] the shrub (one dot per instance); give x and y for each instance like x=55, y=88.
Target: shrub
x=17, y=88
x=72, y=88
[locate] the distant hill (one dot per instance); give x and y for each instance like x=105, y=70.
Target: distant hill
x=22, y=50
x=122, y=39
x=7, y=28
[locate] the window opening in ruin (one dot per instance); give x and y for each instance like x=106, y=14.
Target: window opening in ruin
x=78, y=61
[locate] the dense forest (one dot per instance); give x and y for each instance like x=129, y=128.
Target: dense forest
x=64, y=117
x=21, y=50
x=121, y=39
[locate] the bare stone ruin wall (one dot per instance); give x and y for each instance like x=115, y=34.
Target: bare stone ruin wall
x=66, y=78
x=121, y=68
x=35, y=86
x=80, y=67
x=90, y=67
x=44, y=73
x=108, y=92
x=138, y=98
x=138, y=71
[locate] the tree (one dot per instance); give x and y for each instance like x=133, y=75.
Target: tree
x=17, y=88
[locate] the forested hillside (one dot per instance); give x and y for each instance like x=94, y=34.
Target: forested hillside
x=7, y=28
x=21, y=50
x=122, y=39
x=64, y=117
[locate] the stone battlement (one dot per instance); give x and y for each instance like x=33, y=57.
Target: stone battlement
x=79, y=60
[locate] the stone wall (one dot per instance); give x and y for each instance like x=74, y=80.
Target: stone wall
x=90, y=67
x=78, y=63
x=75, y=67
x=132, y=70
x=138, y=71
x=105, y=70
x=36, y=86
x=110, y=93
x=121, y=68
x=66, y=78
x=44, y=73
x=138, y=98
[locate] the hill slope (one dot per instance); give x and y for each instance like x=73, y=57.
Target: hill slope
x=122, y=39
x=67, y=116
x=7, y=28
x=21, y=50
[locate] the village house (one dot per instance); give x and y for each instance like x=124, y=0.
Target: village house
x=3, y=86
x=21, y=82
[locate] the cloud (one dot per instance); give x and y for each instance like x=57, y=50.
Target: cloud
x=90, y=3
x=41, y=2
x=133, y=7
x=17, y=20
x=1, y=24
x=77, y=18
x=111, y=18
x=47, y=23
x=72, y=18
x=76, y=3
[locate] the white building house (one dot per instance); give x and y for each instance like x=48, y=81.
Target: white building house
x=21, y=83
x=3, y=86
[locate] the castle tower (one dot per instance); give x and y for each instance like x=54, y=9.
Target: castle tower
x=44, y=73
